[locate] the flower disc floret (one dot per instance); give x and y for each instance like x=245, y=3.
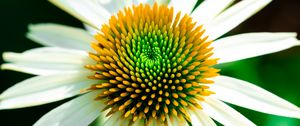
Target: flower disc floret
x=152, y=64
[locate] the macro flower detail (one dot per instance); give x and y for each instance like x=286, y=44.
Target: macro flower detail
x=146, y=62
x=151, y=65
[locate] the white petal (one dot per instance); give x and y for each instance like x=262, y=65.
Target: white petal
x=166, y=2
x=199, y=118
x=88, y=11
x=138, y=122
x=209, y=9
x=224, y=113
x=46, y=61
x=114, y=120
x=80, y=111
x=41, y=69
x=44, y=89
x=175, y=121
x=90, y=29
x=233, y=16
x=250, y=96
x=112, y=6
x=150, y=2
x=136, y=2
x=60, y=36
x=185, y=6
x=249, y=45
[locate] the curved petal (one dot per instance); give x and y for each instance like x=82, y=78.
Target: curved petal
x=150, y=2
x=249, y=45
x=185, y=6
x=90, y=29
x=60, y=36
x=114, y=120
x=88, y=11
x=209, y=9
x=46, y=61
x=233, y=16
x=44, y=89
x=199, y=118
x=80, y=111
x=224, y=113
x=175, y=121
x=138, y=122
x=41, y=69
x=166, y=2
x=113, y=6
x=248, y=95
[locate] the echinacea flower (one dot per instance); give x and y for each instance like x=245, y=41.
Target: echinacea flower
x=151, y=63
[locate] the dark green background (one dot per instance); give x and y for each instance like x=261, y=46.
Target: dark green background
x=278, y=72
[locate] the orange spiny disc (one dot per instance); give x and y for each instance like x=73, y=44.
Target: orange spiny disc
x=153, y=64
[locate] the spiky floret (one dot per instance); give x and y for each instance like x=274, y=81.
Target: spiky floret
x=152, y=65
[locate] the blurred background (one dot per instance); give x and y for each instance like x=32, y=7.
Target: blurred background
x=278, y=73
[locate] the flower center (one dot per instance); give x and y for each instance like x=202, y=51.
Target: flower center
x=148, y=54
x=152, y=65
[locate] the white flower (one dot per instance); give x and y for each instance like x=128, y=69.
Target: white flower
x=60, y=72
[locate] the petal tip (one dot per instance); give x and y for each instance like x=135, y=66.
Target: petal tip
x=32, y=27
x=2, y=67
x=8, y=56
x=52, y=1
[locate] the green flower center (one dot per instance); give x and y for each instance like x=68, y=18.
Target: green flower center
x=148, y=52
